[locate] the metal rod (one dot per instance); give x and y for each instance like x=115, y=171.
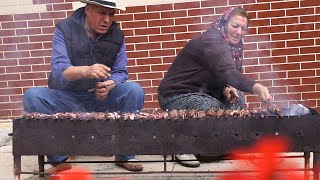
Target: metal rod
x=94, y=89
x=165, y=162
x=41, y=164
x=306, y=165
x=17, y=167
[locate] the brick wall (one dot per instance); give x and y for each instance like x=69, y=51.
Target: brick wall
x=282, y=49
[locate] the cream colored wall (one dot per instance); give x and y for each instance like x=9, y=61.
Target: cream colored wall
x=27, y=6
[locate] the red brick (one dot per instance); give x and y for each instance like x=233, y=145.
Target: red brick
x=131, y=62
x=151, y=105
x=285, y=5
x=7, y=48
x=253, y=99
x=149, y=61
x=271, y=14
x=312, y=95
x=284, y=51
x=40, y=82
x=128, y=32
x=251, y=61
x=48, y=30
x=17, y=54
x=168, y=59
x=29, y=46
x=221, y=10
x=273, y=75
x=287, y=97
x=165, y=52
x=129, y=47
x=272, y=29
x=312, y=18
x=252, y=69
x=300, y=27
x=284, y=36
x=147, y=97
x=4, y=98
x=256, y=7
x=309, y=3
x=20, y=83
x=138, y=54
x=11, y=62
x=43, y=67
x=163, y=67
x=151, y=75
x=16, y=98
x=40, y=23
x=310, y=65
x=285, y=67
x=35, y=75
x=299, y=43
x=310, y=34
x=4, y=18
x=166, y=22
x=133, y=76
x=312, y=80
x=286, y=82
x=147, y=31
x=7, y=33
x=147, y=16
x=240, y=2
x=136, y=39
x=159, y=7
x=284, y=20
x=147, y=46
x=272, y=60
x=59, y=7
x=259, y=53
x=18, y=69
x=300, y=11
x=209, y=19
x=259, y=22
x=40, y=53
x=19, y=17
x=301, y=73
x=173, y=44
x=192, y=20
x=145, y=83
x=2, y=70
x=139, y=69
x=14, y=25
x=271, y=45
x=50, y=1
x=134, y=9
x=8, y=77
x=52, y=15
x=156, y=82
x=300, y=58
x=307, y=50
x=40, y=38
x=30, y=61
x=47, y=45
x=14, y=40
x=251, y=46
x=274, y=90
x=186, y=5
x=10, y=91
x=202, y=11
x=186, y=36
x=150, y=90
x=135, y=24
x=252, y=15
x=174, y=29
x=256, y=38
x=49, y=7
x=29, y=31
x=173, y=14
x=124, y=17
x=199, y=27
x=301, y=88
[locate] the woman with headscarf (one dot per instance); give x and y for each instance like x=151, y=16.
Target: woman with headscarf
x=206, y=74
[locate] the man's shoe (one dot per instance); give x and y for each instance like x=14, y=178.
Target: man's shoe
x=188, y=160
x=212, y=158
x=130, y=165
x=59, y=166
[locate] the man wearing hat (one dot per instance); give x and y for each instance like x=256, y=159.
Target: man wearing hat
x=88, y=54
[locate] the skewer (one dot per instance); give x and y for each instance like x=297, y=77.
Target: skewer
x=94, y=89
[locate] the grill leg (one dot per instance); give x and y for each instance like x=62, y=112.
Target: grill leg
x=41, y=165
x=306, y=156
x=316, y=161
x=17, y=167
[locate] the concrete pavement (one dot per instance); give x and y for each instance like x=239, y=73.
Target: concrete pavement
x=30, y=163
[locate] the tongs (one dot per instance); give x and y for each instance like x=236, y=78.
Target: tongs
x=104, y=86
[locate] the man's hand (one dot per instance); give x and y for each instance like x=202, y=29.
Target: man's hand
x=231, y=94
x=102, y=93
x=262, y=92
x=96, y=71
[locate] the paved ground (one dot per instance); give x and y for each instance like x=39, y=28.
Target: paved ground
x=29, y=163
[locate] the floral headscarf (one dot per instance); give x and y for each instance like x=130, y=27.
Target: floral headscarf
x=237, y=50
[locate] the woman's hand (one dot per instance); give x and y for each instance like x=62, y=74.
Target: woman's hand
x=230, y=93
x=102, y=92
x=262, y=92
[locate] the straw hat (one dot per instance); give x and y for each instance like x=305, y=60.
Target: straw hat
x=105, y=3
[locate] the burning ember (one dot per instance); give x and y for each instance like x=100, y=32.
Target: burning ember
x=265, y=161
